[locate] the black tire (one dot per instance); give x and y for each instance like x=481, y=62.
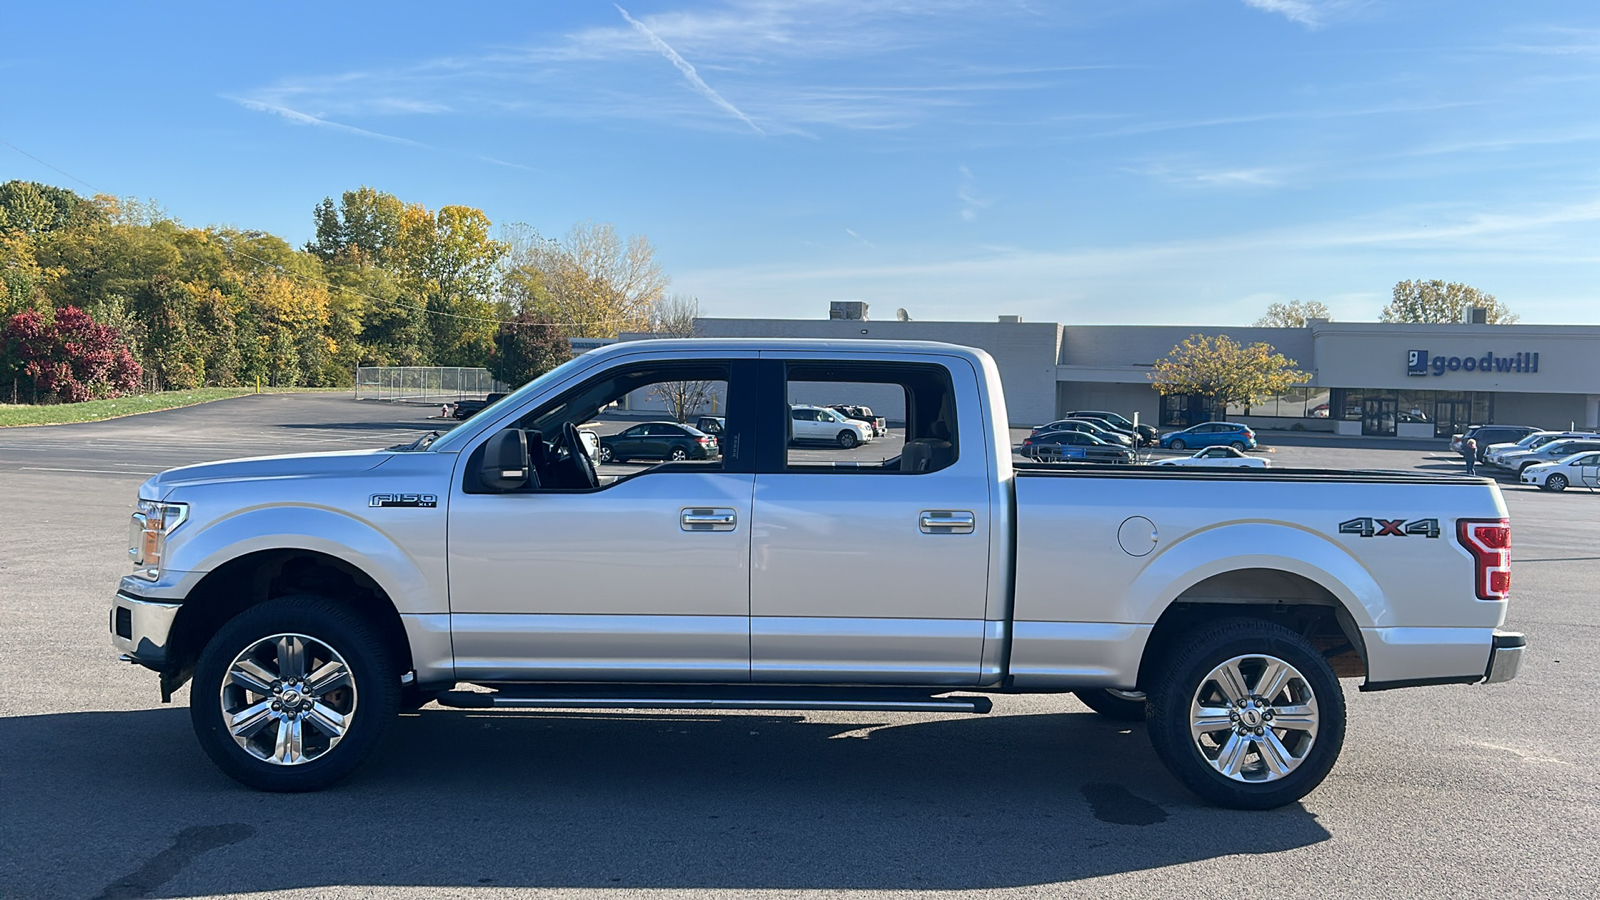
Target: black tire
x=373, y=702
x=1239, y=446
x=678, y=454
x=1119, y=705
x=1178, y=444
x=848, y=439
x=1556, y=483
x=1184, y=675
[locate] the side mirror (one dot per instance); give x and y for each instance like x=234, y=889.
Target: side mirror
x=505, y=461
x=591, y=443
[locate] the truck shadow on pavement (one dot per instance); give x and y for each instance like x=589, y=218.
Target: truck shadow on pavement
x=123, y=804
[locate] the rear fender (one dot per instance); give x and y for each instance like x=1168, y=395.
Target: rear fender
x=1257, y=545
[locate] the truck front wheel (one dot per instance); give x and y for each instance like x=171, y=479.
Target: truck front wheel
x=1247, y=714
x=1124, y=706
x=848, y=439
x=292, y=694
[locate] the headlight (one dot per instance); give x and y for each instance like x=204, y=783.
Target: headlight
x=147, y=534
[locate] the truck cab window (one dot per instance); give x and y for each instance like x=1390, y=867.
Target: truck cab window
x=869, y=418
x=630, y=421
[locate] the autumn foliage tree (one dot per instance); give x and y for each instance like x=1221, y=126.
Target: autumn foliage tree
x=384, y=282
x=68, y=358
x=1224, y=371
x=1438, y=302
x=1293, y=314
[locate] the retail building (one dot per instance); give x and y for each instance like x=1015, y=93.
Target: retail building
x=1366, y=378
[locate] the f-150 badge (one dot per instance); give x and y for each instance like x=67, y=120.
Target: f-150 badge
x=412, y=501
x=1371, y=527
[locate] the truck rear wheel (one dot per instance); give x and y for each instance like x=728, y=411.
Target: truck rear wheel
x=1247, y=714
x=1123, y=706
x=292, y=694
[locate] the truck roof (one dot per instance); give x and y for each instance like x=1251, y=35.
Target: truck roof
x=811, y=345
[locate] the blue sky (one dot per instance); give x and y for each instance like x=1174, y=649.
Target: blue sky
x=1140, y=161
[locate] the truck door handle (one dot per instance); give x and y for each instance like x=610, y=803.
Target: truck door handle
x=946, y=521
x=706, y=519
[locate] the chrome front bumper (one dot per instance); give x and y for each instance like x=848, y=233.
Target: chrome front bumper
x=1505, y=658
x=140, y=628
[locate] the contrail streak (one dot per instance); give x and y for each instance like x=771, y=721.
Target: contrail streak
x=688, y=71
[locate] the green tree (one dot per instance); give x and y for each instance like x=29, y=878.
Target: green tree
x=1293, y=314
x=34, y=208
x=1440, y=303
x=1224, y=372
x=450, y=262
x=526, y=347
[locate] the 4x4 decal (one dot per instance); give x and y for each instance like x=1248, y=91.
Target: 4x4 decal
x=1372, y=527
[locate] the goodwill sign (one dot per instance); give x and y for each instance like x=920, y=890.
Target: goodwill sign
x=1418, y=362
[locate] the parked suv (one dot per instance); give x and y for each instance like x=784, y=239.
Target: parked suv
x=1487, y=435
x=864, y=414
x=818, y=424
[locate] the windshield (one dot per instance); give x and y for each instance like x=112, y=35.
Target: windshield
x=452, y=442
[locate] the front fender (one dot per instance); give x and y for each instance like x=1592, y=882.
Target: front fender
x=1257, y=545
x=409, y=581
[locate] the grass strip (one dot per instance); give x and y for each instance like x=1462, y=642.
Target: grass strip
x=133, y=404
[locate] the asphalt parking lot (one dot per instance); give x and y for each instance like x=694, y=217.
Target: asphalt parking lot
x=1441, y=792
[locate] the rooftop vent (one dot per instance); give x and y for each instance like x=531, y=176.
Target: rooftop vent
x=848, y=309
x=1010, y=320
x=1475, y=315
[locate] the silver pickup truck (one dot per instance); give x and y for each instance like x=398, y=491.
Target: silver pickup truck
x=309, y=598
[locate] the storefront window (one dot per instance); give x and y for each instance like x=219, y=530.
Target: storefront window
x=1317, y=400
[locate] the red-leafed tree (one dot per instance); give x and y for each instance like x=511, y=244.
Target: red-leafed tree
x=70, y=358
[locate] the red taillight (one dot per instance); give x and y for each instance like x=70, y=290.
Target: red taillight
x=1489, y=542
x=1027, y=441
x=702, y=440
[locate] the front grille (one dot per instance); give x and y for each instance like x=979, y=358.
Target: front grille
x=124, y=623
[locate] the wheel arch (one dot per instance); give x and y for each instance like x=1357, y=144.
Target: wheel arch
x=1273, y=595
x=255, y=577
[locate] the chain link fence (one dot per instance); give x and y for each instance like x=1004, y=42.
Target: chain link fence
x=424, y=384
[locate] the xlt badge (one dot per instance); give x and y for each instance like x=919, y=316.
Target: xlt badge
x=412, y=501
x=1373, y=527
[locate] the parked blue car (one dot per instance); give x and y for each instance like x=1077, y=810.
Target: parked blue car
x=1211, y=434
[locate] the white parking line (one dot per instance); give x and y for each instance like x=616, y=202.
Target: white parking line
x=87, y=471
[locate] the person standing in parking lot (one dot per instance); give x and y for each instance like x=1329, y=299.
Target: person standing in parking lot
x=1469, y=454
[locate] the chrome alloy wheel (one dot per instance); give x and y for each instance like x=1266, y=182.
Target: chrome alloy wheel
x=1254, y=718
x=278, y=686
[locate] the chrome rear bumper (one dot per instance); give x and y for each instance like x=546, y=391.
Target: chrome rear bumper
x=1506, y=657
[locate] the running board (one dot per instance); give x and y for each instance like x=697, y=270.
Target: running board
x=759, y=697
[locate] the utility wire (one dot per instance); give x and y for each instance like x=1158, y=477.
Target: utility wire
x=48, y=166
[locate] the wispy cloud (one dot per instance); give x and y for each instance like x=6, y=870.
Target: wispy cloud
x=689, y=74
x=1200, y=176
x=1164, y=281
x=1303, y=11
x=301, y=118
x=967, y=193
